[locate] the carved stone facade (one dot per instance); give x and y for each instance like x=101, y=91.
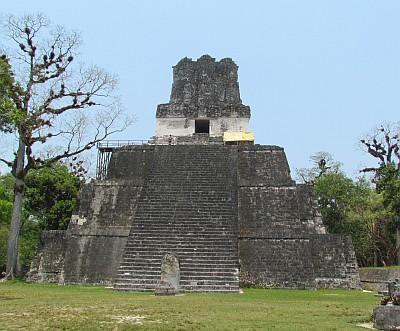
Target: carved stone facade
x=227, y=215
x=204, y=92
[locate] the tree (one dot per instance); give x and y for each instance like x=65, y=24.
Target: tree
x=7, y=83
x=50, y=100
x=51, y=196
x=5, y=215
x=354, y=208
x=384, y=145
x=322, y=163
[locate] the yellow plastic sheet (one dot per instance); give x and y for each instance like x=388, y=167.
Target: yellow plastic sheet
x=238, y=136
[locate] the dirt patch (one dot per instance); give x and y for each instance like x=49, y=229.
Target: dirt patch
x=367, y=326
x=129, y=319
x=3, y=297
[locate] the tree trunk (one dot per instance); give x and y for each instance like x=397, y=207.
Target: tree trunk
x=19, y=191
x=398, y=245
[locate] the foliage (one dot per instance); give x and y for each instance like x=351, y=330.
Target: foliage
x=50, y=100
x=51, y=196
x=322, y=163
x=6, y=199
x=29, y=238
x=388, y=183
x=29, y=228
x=354, y=208
x=94, y=308
x=384, y=145
x=394, y=299
x=7, y=105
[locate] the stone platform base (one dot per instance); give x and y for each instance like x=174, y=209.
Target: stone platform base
x=377, y=279
x=387, y=317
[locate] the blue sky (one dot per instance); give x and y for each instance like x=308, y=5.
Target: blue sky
x=318, y=75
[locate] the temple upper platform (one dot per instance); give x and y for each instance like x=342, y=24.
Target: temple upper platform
x=205, y=98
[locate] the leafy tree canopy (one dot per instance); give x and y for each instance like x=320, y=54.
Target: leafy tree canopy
x=51, y=196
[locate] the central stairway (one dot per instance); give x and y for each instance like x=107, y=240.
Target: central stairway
x=187, y=207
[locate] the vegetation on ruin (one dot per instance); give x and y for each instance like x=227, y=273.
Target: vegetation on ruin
x=50, y=198
x=47, y=99
x=366, y=208
x=53, y=307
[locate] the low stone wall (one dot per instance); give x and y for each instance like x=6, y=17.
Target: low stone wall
x=48, y=264
x=376, y=279
x=387, y=317
x=316, y=261
x=285, y=263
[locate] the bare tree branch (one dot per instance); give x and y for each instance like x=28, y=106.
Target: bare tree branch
x=8, y=163
x=383, y=145
x=55, y=101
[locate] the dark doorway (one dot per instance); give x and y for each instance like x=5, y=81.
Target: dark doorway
x=202, y=126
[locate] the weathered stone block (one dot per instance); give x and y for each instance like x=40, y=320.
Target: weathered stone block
x=387, y=318
x=377, y=279
x=48, y=264
x=217, y=208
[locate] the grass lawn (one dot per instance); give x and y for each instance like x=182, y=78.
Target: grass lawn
x=50, y=307
x=392, y=267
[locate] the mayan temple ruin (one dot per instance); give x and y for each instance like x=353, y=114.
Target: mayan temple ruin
x=199, y=207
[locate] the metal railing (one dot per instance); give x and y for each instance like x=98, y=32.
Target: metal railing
x=106, y=147
x=120, y=143
x=104, y=152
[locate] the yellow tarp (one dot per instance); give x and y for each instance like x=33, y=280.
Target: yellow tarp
x=238, y=136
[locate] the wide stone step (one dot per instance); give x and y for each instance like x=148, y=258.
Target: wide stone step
x=227, y=266
x=131, y=258
x=209, y=289
x=141, y=246
x=150, y=280
x=192, y=231
x=184, y=253
x=182, y=217
x=180, y=250
x=175, y=233
x=191, y=281
x=188, y=250
x=184, y=273
x=188, y=206
x=163, y=237
x=212, y=222
x=179, y=241
x=171, y=206
x=160, y=247
x=167, y=224
x=184, y=285
x=199, y=224
x=188, y=263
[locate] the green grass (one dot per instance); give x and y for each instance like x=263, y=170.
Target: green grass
x=50, y=307
x=395, y=267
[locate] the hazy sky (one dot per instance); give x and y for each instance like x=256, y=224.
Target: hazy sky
x=318, y=75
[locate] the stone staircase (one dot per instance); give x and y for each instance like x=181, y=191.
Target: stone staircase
x=188, y=207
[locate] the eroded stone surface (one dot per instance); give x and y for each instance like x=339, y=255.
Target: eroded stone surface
x=170, y=276
x=387, y=318
x=203, y=89
x=219, y=208
x=377, y=279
